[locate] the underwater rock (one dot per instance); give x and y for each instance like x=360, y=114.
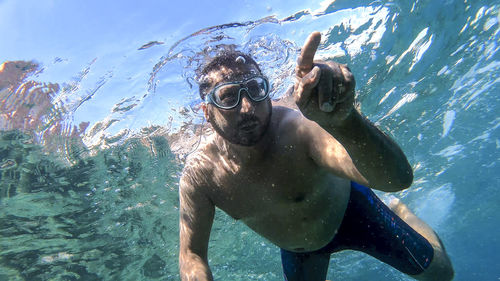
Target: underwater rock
x=154, y=267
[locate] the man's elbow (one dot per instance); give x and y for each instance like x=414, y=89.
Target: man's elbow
x=406, y=180
x=399, y=181
x=407, y=176
x=193, y=267
x=403, y=180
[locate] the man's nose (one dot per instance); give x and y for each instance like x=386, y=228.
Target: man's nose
x=246, y=104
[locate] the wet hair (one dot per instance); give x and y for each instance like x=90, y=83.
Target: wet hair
x=227, y=58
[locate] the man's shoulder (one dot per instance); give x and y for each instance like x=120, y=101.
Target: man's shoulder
x=198, y=166
x=290, y=121
x=285, y=116
x=294, y=129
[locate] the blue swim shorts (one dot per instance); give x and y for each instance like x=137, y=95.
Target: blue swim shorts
x=368, y=226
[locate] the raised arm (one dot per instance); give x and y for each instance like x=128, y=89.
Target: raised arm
x=196, y=217
x=324, y=93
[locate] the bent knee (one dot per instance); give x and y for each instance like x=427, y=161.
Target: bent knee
x=440, y=268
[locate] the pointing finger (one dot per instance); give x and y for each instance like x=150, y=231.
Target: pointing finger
x=306, y=58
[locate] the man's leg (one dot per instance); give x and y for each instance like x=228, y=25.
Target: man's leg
x=392, y=235
x=440, y=267
x=304, y=266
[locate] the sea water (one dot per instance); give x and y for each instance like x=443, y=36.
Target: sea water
x=92, y=142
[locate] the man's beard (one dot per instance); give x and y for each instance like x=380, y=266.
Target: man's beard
x=241, y=136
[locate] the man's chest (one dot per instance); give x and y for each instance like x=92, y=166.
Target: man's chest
x=248, y=190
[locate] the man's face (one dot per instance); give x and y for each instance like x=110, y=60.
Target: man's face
x=245, y=124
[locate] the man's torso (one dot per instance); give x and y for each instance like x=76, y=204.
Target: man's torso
x=284, y=196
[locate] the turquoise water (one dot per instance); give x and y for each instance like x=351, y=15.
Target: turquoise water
x=92, y=142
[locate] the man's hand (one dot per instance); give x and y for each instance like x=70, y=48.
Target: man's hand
x=324, y=91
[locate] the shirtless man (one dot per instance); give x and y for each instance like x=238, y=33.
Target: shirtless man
x=298, y=178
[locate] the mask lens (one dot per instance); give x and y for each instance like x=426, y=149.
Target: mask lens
x=257, y=88
x=227, y=95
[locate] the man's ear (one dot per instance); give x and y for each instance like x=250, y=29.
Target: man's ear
x=205, y=111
